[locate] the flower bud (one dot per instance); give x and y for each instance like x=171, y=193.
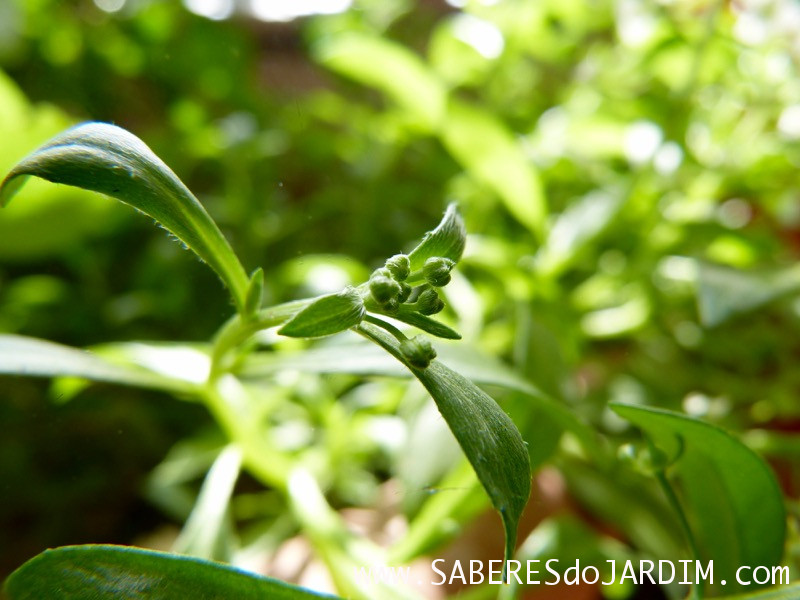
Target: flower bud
x=399, y=266
x=418, y=351
x=429, y=302
x=383, y=288
x=437, y=270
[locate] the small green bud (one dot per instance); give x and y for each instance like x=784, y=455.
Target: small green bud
x=405, y=292
x=399, y=266
x=418, y=351
x=429, y=302
x=437, y=270
x=383, y=288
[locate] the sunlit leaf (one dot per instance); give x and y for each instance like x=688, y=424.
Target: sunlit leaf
x=110, y=572
x=486, y=434
x=326, y=315
x=389, y=67
x=20, y=355
x=106, y=158
x=734, y=503
x=488, y=151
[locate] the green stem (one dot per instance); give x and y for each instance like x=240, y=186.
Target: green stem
x=696, y=592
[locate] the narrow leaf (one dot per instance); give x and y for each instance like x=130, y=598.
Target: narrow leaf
x=327, y=315
x=486, y=434
x=105, y=572
x=489, y=153
x=447, y=240
x=20, y=355
x=735, y=506
x=575, y=227
x=428, y=325
x=106, y=158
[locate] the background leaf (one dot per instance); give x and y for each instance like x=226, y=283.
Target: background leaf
x=21, y=355
x=112, y=572
x=734, y=505
x=107, y=159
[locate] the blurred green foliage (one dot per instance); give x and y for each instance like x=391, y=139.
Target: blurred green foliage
x=627, y=172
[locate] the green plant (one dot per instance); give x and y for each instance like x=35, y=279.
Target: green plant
x=107, y=159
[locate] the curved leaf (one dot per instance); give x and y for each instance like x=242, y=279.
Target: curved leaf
x=326, y=315
x=735, y=507
x=106, y=158
x=486, y=434
x=447, y=240
x=112, y=572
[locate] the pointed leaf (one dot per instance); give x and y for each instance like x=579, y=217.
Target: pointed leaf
x=486, y=434
x=735, y=506
x=428, y=325
x=20, y=355
x=106, y=158
x=327, y=315
x=447, y=240
x=105, y=572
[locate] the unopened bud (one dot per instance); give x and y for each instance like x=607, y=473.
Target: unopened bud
x=437, y=270
x=418, y=351
x=383, y=288
x=399, y=266
x=429, y=302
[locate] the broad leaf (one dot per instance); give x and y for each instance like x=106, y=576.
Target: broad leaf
x=735, y=507
x=20, y=355
x=105, y=158
x=486, y=434
x=111, y=572
x=327, y=315
x=447, y=240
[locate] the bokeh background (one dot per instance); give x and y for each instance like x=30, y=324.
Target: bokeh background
x=627, y=172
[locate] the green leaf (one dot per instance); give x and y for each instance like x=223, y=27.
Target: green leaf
x=735, y=506
x=581, y=222
x=393, y=69
x=327, y=315
x=428, y=325
x=490, y=154
x=724, y=292
x=20, y=355
x=447, y=240
x=107, y=159
x=486, y=434
x=112, y=572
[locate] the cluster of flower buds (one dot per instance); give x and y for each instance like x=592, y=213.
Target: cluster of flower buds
x=390, y=291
